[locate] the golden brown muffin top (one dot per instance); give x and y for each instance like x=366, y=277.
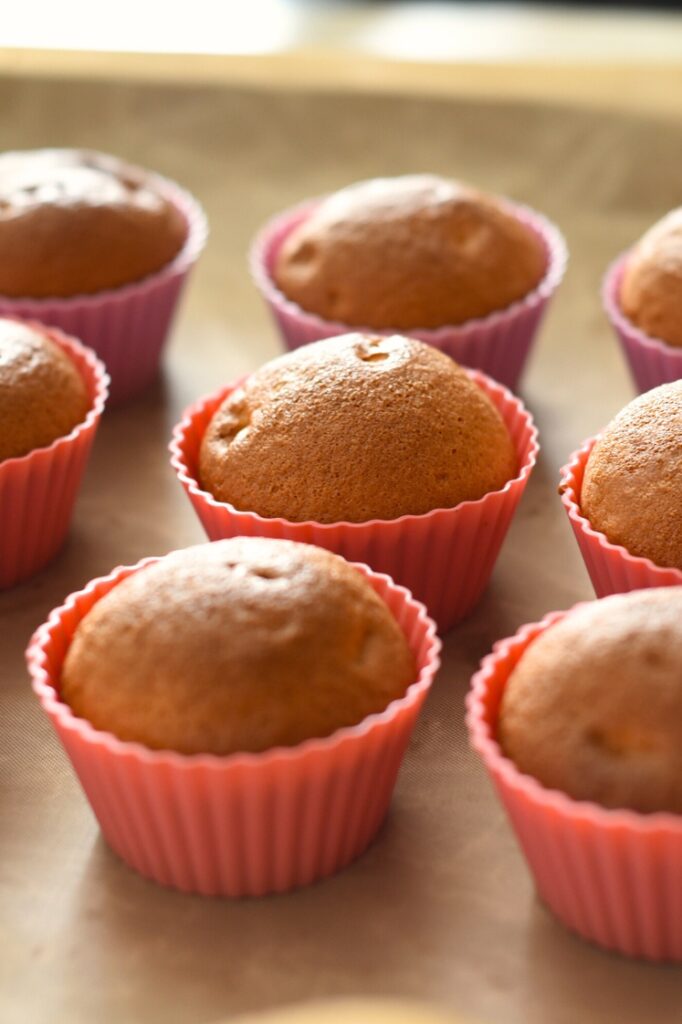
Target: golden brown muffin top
x=632, y=488
x=42, y=393
x=241, y=645
x=410, y=252
x=651, y=289
x=356, y=428
x=594, y=706
x=354, y=1011
x=75, y=222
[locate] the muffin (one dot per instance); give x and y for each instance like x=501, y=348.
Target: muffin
x=252, y=823
x=651, y=286
x=242, y=645
x=594, y=706
x=43, y=395
x=74, y=222
x=52, y=394
x=354, y=1011
x=356, y=428
x=632, y=487
x=100, y=250
x=411, y=252
x=577, y=719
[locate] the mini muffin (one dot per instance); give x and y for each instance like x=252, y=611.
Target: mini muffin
x=354, y=1011
x=594, y=706
x=411, y=252
x=74, y=222
x=241, y=645
x=632, y=488
x=355, y=428
x=651, y=288
x=42, y=394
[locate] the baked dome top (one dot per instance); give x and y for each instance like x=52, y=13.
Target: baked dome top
x=355, y=428
x=76, y=222
x=410, y=252
x=651, y=288
x=594, y=706
x=632, y=488
x=240, y=645
x=42, y=393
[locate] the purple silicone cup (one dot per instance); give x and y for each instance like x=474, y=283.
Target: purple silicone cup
x=498, y=344
x=127, y=327
x=651, y=361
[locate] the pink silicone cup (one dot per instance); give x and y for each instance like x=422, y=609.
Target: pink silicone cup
x=127, y=327
x=498, y=344
x=444, y=557
x=38, y=490
x=611, y=876
x=612, y=569
x=651, y=360
x=248, y=824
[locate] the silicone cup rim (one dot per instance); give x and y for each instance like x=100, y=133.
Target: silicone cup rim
x=54, y=706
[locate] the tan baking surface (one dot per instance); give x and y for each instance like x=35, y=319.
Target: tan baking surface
x=644, y=86
x=441, y=907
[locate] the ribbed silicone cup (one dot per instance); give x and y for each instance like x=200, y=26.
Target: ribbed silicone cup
x=612, y=569
x=444, y=557
x=247, y=824
x=38, y=490
x=498, y=344
x=651, y=360
x=611, y=876
x=127, y=327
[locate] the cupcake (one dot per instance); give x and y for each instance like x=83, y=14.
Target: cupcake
x=464, y=271
x=248, y=702
x=377, y=447
x=98, y=248
x=643, y=299
x=354, y=1011
x=623, y=494
x=52, y=393
x=579, y=720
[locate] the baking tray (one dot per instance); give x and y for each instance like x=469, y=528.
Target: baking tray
x=441, y=907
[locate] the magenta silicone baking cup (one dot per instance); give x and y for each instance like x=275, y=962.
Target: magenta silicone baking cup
x=498, y=344
x=444, y=557
x=127, y=327
x=612, y=876
x=651, y=360
x=247, y=824
x=612, y=569
x=38, y=490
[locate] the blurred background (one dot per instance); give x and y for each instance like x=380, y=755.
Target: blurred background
x=410, y=30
